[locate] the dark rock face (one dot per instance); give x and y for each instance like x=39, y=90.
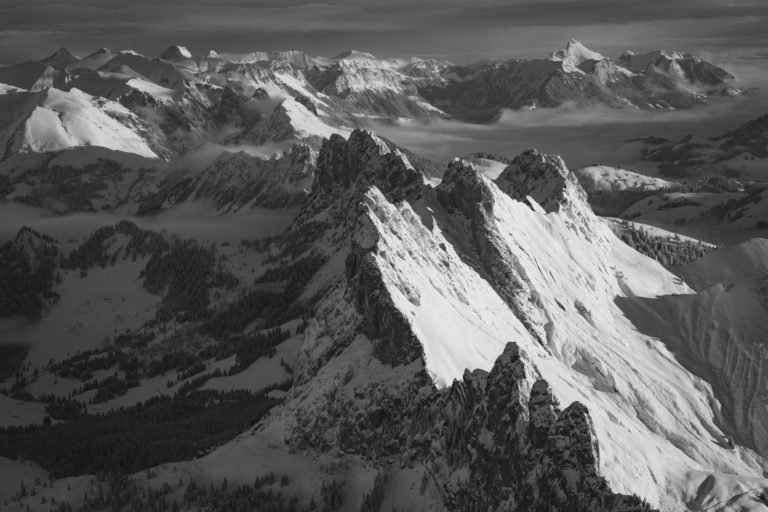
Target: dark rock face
x=543, y=410
x=394, y=341
x=307, y=103
x=232, y=110
x=387, y=327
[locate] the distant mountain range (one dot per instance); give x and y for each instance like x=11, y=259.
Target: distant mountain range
x=178, y=101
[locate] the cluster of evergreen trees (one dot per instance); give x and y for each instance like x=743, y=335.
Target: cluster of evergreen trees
x=670, y=251
x=129, y=439
x=28, y=267
x=114, y=491
x=182, y=275
x=95, y=251
x=12, y=356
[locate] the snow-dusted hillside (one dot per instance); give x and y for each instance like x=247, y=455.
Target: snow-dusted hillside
x=603, y=178
x=53, y=120
x=715, y=216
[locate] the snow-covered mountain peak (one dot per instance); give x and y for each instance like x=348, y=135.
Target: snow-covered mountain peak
x=103, y=55
x=291, y=120
x=61, y=53
x=64, y=60
x=544, y=178
x=304, y=122
x=176, y=52
x=574, y=55
x=53, y=120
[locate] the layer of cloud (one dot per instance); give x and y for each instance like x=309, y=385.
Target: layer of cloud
x=582, y=136
x=457, y=29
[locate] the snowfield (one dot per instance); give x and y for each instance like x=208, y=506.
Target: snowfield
x=603, y=178
x=53, y=120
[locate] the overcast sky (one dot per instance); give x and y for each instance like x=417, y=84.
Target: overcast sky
x=458, y=30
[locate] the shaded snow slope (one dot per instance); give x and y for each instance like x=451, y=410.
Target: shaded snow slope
x=719, y=334
x=746, y=260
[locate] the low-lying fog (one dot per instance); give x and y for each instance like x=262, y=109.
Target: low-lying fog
x=581, y=136
x=197, y=221
x=587, y=136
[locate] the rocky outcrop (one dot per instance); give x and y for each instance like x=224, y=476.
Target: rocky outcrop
x=364, y=160
x=496, y=442
x=545, y=178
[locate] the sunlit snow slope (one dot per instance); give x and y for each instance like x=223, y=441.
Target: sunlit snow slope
x=52, y=120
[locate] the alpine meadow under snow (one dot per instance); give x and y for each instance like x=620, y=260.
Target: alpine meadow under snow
x=242, y=281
